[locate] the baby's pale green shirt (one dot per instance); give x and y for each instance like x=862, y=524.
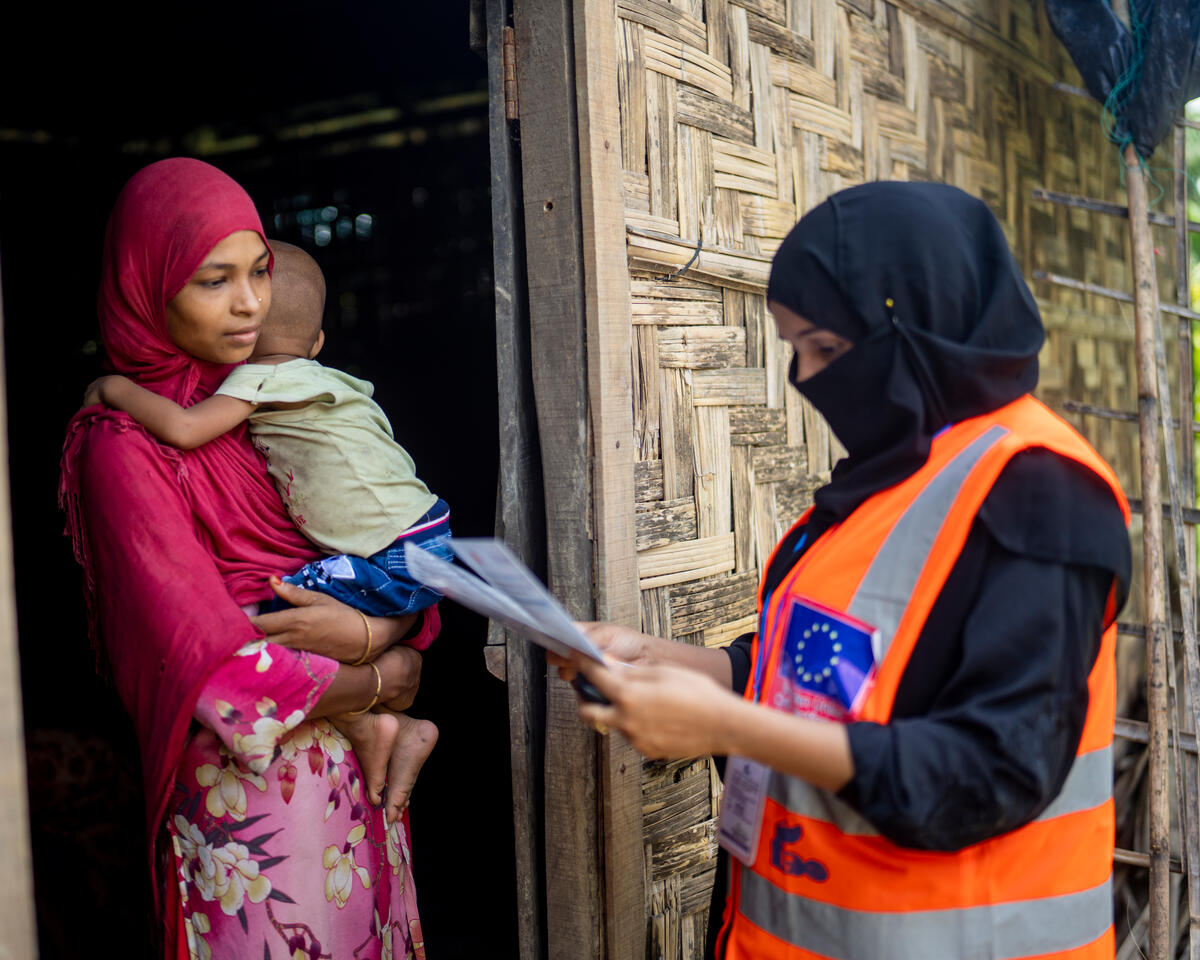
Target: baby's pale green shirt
x=347, y=484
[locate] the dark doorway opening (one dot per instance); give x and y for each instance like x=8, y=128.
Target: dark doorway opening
x=362, y=136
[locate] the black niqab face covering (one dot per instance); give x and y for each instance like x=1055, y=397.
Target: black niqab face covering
x=919, y=277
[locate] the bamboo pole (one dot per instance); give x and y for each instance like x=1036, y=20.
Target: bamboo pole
x=1189, y=797
x=1146, y=319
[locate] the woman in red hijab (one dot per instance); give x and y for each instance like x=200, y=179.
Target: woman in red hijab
x=264, y=842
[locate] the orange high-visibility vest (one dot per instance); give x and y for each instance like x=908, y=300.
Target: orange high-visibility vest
x=1042, y=890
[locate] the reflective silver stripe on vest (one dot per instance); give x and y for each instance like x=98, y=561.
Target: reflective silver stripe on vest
x=887, y=587
x=808, y=801
x=1027, y=928
x=1088, y=785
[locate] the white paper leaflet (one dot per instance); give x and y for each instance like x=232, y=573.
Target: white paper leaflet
x=508, y=592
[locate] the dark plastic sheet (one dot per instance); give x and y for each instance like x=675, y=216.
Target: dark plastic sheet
x=1105, y=51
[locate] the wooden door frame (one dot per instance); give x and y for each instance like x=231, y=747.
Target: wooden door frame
x=580, y=385
x=17, y=928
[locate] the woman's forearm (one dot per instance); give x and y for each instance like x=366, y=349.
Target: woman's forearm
x=388, y=631
x=813, y=750
x=392, y=679
x=352, y=689
x=711, y=661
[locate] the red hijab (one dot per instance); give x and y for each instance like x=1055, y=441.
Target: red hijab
x=171, y=541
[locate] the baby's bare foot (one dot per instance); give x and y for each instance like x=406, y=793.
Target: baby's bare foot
x=413, y=745
x=373, y=736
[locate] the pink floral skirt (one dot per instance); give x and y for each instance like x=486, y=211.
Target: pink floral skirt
x=290, y=862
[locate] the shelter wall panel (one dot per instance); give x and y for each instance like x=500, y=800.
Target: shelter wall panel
x=667, y=521
x=714, y=510
x=701, y=347
x=656, y=611
x=757, y=426
x=647, y=402
x=676, y=312
x=648, y=480
x=689, y=560
x=729, y=387
x=754, y=112
x=727, y=631
x=699, y=108
x=631, y=93
x=637, y=192
x=708, y=604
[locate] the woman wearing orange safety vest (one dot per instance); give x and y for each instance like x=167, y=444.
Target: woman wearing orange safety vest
x=919, y=732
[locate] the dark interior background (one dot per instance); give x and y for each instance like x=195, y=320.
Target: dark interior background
x=361, y=133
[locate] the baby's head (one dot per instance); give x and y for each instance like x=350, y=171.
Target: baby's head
x=293, y=324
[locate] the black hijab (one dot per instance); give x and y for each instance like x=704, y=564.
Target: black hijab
x=919, y=277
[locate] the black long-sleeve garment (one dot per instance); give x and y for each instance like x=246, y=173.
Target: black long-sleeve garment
x=989, y=711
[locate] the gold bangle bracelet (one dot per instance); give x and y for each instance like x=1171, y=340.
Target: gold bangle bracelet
x=367, y=652
x=378, y=690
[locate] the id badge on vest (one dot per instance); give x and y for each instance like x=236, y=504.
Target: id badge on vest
x=742, y=803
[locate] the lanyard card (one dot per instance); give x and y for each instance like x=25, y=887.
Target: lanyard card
x=827, y=666
x=742, y=804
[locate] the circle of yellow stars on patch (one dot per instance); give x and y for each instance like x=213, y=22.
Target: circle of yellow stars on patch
x=809, y=676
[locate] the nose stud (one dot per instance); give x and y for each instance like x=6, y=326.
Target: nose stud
x=260, y=299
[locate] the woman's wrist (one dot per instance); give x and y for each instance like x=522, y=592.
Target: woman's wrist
x=387, y=632
x=351, y=690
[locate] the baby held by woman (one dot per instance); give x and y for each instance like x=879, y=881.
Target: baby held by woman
x=349, y=487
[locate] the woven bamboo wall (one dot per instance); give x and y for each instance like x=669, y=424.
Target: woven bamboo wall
x=736, y=117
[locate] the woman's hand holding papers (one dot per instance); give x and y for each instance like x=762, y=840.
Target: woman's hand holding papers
x=664, y=711
x=674, y=700
x=666, y=689
x=614, y=641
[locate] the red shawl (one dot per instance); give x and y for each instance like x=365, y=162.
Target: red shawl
x=171, y=541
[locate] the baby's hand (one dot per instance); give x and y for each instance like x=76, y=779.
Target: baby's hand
x=95, y=392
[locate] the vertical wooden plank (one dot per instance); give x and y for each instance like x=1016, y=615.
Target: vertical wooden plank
x=842, y=57
x=733, y=308
x=661, y=149
x=520, y=516
x=781, y=133
x=17, y=937
x=816, y=434
x=675, y=402
x=766, y=528
x=744, y=554
x=799, y=16
x=760, y=85
x=824, y=35
x=716, y=20
x=758, y=328
x=646, y=409
x=656, y=611
x=609, y=378
x=631, y=84
x=793, y=405
x=713, y=496
x=553, y=244
x=694, y=176
x=739, y=56
x=776, y=355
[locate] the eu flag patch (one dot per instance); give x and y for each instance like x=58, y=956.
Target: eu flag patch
x=827, y=665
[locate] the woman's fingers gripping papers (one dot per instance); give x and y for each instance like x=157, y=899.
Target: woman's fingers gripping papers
x=663, y=711
x=614, y=641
